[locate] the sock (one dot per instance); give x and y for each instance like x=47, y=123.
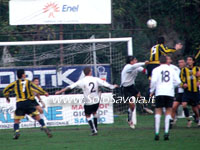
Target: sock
x=42, y=116
x=157, y=123
x=167, y=121
x=16, y=127
x=90, y=122
x=186, y=112
x=41, y=121
x=130, y=112
x=95, y=120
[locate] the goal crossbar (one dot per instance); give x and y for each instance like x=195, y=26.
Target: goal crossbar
x=77, y=41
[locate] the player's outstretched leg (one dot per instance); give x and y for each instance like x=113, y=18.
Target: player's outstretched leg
x=45, y=129
x=91, y=124
x=16, y=129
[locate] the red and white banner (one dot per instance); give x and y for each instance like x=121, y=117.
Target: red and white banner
x=60, y=110
x=59, y=12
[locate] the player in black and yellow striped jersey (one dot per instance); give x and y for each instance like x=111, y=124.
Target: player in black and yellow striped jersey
x=190, y=83
x=23, y=89
x=158, y=50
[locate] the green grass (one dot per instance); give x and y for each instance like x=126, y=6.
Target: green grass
x=117, y=136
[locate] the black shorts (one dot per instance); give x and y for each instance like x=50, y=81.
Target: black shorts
x=164, y=101
x=23, y=108
x=89, y=109
x=35, y=103
x=179, y=97
x=129, y=91
x=150, y=68
x=192, y=98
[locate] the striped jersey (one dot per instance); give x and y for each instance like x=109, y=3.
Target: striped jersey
x=24, y=90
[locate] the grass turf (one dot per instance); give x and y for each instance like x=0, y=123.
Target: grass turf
x=117, y=136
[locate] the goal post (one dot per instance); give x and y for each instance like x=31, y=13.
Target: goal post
x=78, y=41
x=40, y=59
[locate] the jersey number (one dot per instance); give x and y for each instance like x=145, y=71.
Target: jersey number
x=23, y=86
x=153, y=50
x=165, y=76
x=92, y=89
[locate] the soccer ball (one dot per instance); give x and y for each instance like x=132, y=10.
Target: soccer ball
x=151, y=23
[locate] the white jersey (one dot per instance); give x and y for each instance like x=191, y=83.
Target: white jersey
x=164, y=80
x=90, y=86
x=178, y=71
x=129, y=73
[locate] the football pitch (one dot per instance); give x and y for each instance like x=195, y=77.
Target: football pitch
x=117, y=136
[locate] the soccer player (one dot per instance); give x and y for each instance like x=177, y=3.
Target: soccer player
x=128, y=76
x=190, y=83
x=34, y=101
x=178, y=100
x=90, y=86
x=23, y=89
x=158, y=50
x=163, y=81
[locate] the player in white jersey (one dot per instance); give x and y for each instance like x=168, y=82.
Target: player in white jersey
x=128, y=76
x=90, y=86
x=163, y=83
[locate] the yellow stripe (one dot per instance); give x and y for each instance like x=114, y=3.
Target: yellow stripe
x=18, y=117
x=157, y=54
x=182, y=76
x=194, y=79
x=21, y=100
x=154, y=62
x=27, y=88
x=151, y=55
x=16, y=91
x=34, y=113
x=197, y=55
x=188, y=79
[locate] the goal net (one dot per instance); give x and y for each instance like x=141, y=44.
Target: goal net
x=60, y=63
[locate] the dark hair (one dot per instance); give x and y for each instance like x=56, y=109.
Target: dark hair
x=87, y=70
x=20, y=72
x=163, y=59
x=161, y=40
x=193, y=58
x=129, y=59
x=35, y=79
x=181, y=59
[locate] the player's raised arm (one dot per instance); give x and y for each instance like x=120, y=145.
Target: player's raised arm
x=70, y=87
x=135, y=66
x=166, y=50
